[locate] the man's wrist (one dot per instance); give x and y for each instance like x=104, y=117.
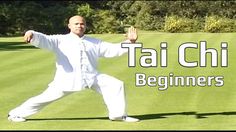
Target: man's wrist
x=132, y=41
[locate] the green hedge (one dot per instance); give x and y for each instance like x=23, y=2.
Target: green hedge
x=175, y=24
x=212, y=24
x=216, y=24
x=51, y=17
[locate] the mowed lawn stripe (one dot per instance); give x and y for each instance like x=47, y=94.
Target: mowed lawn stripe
x=177, y=105
x=24, y=77
x=26, y=64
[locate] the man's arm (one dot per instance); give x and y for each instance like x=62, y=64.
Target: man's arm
x=41, y=40
x=112, y=50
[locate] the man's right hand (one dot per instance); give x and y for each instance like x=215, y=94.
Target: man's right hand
x=28, y=36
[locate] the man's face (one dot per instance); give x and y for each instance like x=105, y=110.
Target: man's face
x=77, y=25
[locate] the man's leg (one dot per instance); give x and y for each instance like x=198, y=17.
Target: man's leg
x=113, y=94
x=35, y=104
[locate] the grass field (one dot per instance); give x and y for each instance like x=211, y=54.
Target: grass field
x=25, y=71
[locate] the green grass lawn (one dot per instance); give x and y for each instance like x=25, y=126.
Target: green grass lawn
x=26, y=71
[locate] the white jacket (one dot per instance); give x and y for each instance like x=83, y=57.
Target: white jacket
x=77, y=58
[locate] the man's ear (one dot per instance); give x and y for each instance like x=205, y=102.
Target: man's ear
x=68, y=26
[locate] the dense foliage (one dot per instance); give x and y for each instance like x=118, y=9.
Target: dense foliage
x=115, y=16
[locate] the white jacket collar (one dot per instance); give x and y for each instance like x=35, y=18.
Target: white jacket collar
x=74, y=35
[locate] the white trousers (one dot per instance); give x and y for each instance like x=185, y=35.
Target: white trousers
x=111, y=89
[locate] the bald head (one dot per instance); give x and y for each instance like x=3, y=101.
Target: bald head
x=77, y=17
x=77, y=25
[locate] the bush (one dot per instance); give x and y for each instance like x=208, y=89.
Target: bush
x=175, y=24
x=216, y=24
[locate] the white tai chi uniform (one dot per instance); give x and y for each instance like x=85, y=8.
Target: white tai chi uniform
x=76, y=70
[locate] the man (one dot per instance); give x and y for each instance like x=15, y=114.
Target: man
x=77, y=57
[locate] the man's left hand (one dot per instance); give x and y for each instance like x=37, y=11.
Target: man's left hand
x=132, y=34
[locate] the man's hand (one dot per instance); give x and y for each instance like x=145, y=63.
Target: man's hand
x=132, y=34
x=28, y=36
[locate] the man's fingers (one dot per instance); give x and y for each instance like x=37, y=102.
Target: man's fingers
x=27, y=39
x=129, y=31
x=28, y=36
x=132, y=30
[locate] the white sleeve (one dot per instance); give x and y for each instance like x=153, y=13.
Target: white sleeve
x=111, y=50
x=40, y=40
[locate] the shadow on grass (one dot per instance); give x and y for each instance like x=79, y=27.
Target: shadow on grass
x=141, y=117
x=161, y=115
x=54, y=119
x=197, y=115
x=206, y=115
x=9, y=46
x=146, y=116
